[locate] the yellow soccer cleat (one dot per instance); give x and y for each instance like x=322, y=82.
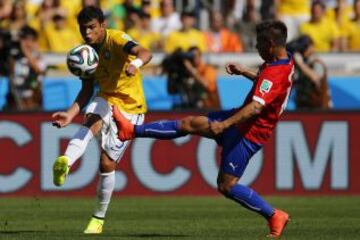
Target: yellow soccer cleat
x=60, y=170
x=95, y=226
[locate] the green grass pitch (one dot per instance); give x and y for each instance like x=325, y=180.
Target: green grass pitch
x=177, y=218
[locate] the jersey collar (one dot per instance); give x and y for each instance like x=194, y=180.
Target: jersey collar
x=282, y=61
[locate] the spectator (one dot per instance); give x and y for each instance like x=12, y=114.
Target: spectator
x=121, y=15
x=311, y=85
x=5, y=43
x=205, y=77
x=246, y=26
x=143, y=34
x=341, y=15
x=57, y=32
x=169, y=20
x=187, y=37
x=26, y=69
x=5, y=10
x=353, y=41
x=219, y=38
x=45, y=14
x=324, y=32
x=17, y=19
x=293, y=13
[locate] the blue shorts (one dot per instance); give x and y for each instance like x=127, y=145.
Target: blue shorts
x=236, y=150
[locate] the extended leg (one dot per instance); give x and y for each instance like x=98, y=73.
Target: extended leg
x=198, y=125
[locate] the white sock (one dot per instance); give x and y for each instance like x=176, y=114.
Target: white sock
x=105, y=189
x=78, y=144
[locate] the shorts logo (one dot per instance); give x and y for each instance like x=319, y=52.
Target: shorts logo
x=233, y=166
x=265, y=86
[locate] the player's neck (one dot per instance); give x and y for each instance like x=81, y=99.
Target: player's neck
x=281, y=53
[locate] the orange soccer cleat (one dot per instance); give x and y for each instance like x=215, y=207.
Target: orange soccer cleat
x=277, y=223
x=125, y=127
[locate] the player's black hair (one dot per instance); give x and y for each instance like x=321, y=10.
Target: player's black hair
x=273, y=30
x=90, y=13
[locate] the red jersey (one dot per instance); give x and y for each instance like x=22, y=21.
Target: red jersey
x=271, y=89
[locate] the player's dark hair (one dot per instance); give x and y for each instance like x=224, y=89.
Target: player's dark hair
x=273, y=30
x=88, y=14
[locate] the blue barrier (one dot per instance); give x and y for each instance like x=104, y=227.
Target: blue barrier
x=60, y=92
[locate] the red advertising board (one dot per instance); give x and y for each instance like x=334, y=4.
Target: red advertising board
x=309, y=153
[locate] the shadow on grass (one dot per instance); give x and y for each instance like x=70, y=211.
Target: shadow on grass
x=20, y=232
x=158, y=235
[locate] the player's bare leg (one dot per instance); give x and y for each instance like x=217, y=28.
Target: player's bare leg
x=76, y=148
x=104, y=191
x=228, y=185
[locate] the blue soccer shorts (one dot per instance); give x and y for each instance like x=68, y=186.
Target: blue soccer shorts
x=236, y=150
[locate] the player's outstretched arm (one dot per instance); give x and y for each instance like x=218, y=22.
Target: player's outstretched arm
x=238, y=69
x=249, y=111
x=62, y=119
x=143, y=56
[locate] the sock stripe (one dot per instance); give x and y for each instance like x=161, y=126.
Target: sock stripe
x=159, y=131
x=247, y=204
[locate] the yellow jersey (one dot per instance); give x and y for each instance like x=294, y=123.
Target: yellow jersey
x=294, y=7
x=185, y=40
x=126, y=92
x=354, y=36
x=322, y=33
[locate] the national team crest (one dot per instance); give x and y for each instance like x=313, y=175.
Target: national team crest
x=265, y=86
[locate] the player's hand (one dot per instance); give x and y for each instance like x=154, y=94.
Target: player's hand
x=61, y=119
x=131, y=70
x=217, y=128
x=233, y=68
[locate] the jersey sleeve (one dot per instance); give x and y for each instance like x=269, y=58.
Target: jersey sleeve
x=268, y=87
x=125, y=42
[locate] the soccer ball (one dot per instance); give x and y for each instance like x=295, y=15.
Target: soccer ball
x=82, y=61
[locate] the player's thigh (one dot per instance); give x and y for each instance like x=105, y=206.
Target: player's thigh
x=93, y=122
x=110, y=143
x=236, y=153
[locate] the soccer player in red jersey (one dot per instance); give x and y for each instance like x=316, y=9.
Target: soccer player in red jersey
x=240, y=132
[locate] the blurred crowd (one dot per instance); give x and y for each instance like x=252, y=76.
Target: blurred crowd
x=184, y=29
x=210, y=25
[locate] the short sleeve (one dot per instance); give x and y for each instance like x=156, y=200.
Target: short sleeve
x=267, y=89
x=125, y=41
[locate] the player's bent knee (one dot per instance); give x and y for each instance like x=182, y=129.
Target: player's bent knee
x=185, y=124
x=107, y=166
x=224, y=188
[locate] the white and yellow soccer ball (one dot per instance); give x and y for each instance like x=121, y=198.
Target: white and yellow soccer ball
x=82, y=61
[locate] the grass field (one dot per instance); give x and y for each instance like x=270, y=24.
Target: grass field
x=177, y=218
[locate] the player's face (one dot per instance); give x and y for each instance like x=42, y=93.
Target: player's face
x=264, y=48
x=93, y=32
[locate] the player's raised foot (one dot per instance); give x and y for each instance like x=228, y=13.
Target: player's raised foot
x=95, y=226
x=125, y=127
x=60, y=170
x=277, y=223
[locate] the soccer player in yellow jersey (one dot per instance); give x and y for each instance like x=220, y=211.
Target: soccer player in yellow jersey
x=120, y=85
